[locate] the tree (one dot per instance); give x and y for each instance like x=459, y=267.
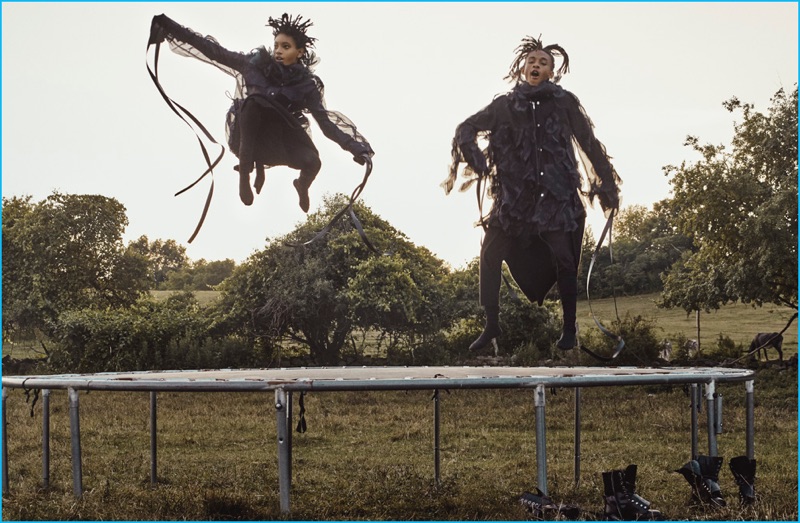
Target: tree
x=165, y=256
x=63, y=253
x=319, y=295
x=645, y=244
x=740, y=209
x=200, y=275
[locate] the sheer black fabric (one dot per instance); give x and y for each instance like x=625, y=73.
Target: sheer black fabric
x=534, y=133
x=285, y=93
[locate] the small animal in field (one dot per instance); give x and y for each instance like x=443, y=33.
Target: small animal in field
x=692, y=347
x=764, y=340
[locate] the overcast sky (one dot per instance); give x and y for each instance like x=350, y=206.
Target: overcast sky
x=81, y=115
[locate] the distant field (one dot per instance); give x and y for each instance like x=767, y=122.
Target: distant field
x=738, y=321
x=204, y=297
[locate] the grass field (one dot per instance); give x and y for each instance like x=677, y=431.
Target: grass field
x=369, y=456
x=739, y=321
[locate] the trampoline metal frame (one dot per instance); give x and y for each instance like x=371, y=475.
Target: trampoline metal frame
x=284, y=388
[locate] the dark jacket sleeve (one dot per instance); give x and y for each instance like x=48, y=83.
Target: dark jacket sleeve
x=603, y=179
x=335, y=126
x=465, y=141
x=187, y=42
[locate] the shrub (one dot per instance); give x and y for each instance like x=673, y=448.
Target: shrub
x=642, y=343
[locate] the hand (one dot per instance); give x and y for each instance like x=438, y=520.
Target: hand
x=609, y=200
x=362, y=159
x=157, y=32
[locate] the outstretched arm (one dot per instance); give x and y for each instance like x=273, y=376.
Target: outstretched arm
x=187, y=42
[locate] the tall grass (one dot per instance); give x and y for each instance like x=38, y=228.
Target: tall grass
x=369, y=456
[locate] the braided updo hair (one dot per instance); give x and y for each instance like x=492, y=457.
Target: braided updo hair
x=295, y=27
x=529, y=44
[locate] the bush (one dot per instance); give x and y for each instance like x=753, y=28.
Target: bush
x=150, y=335
x=642, y=343
x=726, y=349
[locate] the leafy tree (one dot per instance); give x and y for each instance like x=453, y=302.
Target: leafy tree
x=322, y=294
x=63, y=253
x=200, y=275
x=645, y=244
x=740, y=208
x=165, y=256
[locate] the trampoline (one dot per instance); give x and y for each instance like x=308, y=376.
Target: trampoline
x=286, y=381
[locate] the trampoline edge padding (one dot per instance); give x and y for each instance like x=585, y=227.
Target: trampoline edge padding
x=377, y=378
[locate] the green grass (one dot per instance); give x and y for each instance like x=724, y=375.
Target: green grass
x=369, y=456
x=203, y=297
x=739, y=321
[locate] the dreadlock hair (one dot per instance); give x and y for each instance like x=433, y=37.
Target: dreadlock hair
x=529, y=44
x=296, y=28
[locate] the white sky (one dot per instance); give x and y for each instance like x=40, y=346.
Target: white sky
x=81, y=115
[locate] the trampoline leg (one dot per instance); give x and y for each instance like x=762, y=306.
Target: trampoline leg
x=695, y=406
x=153, y=438
x=284, y=455
x=577, y=435
x=541, y=453
x=75, y=432
x=5, y=444
x=289, y=425
x=46, y=438
x=436, y=419
x=710, y=404
x=750, y=423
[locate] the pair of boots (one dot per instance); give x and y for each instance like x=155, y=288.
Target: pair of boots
x=543, y=508
x=622, y=502
x=703, y=476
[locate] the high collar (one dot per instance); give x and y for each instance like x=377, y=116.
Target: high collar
x=277, y=72
x=524, y=93
x=534, y=92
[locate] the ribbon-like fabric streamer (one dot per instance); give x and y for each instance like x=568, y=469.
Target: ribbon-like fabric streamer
x=181, y=111
x=620, y=342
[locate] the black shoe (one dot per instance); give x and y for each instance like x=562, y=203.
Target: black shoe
x=543, y=508
x=702, y=475
x=302, y=192
x=486, y=337
x=245, y=193
x=744, y=474
x=568, y=340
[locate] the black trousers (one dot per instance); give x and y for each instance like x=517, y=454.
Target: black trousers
x=269, y=135
x=535, y=265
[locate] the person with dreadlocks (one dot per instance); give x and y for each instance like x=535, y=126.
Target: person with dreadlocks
x=538, y=138
x=265, y=124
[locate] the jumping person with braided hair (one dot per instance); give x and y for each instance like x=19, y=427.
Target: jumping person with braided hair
x=266, y=125
x=539, y=137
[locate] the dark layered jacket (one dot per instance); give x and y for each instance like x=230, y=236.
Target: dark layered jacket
x=539, y=141
x=290, y=90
